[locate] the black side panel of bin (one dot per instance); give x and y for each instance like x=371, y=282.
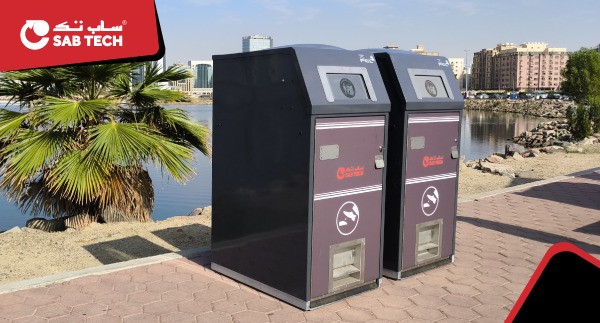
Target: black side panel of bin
x=261, y=160
x=395, y=166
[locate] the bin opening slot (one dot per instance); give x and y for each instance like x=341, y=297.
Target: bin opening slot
x=346, y=265
x=346, y=83
x=430, y=84
x=428, y=241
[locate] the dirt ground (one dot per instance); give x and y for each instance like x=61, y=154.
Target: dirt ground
x=27, y=254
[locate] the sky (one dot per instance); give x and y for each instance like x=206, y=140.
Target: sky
x=198, y=29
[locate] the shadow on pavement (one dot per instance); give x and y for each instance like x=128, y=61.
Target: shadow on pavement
x=532, y=234
x=180, y=238
x=576, y=194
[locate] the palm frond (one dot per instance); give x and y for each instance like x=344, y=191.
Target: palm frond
x=177, y=124
x=77, y=178
x=68, y=113
x=29, y=154
x=10, y=122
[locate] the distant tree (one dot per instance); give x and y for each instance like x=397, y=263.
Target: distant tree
x=80, y=144
x=581, y=76
x=594, y=103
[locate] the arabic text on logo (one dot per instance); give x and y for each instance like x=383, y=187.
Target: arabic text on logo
x=68, y=36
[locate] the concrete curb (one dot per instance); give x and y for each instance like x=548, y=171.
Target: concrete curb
x=98, y=270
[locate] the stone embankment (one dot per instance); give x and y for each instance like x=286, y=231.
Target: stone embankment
x=540, y=108
x=547, y=138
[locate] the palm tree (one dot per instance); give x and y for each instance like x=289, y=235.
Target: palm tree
x=79, y=145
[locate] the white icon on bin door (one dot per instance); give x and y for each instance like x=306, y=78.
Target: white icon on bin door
x=347, y=218
x=430, y=200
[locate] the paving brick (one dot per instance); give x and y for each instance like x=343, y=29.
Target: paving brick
x=492, y=299
x=95, y=288
x=145, y=278
x=10, y=299
x=400, y=291
x=460, y=300
x=87, y=310
x=103, y=319
x=214, y=317
x=390, y=314
x=67, y=319
x=116, y=277
x=321, y=316
x=286, y=315
x=160, y=269
x=76, y=299
x=355, y=315
x=250, y=316
x=424, y=313
x=123, y=309
x=177, y=318
x=210, y=295
x=177, y=277
x=130, y=287
x=140, y=318
x=458, y=289
x=30, y=319
x=226, y=306
x=363, y=302
x=492, y=311
x=52, y=310
x=194, y=307
x=396, y=301
x=428, y=301
x=143, y=297
x=239, y=295
x=192, y=286
x=263, y=305
x=492, y=289
x=459, y=312
x=159, y=308
x=161, y=286
x=176, y=296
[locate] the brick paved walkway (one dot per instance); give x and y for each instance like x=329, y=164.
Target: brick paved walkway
x=500, y=241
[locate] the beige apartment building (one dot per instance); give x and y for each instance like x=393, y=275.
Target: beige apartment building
x=526, y=67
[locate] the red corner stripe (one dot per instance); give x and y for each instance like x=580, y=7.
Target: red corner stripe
x=555, y=249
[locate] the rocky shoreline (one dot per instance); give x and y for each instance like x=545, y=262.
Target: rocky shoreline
x=539, y=108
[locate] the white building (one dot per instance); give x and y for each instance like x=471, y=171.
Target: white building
x=256, y=42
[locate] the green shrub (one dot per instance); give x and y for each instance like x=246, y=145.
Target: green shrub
x=595, y=113
x=580, y=122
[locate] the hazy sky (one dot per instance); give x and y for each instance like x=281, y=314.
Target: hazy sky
x=198, y=29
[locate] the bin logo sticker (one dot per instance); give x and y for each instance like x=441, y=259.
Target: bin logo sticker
x=431, y=89
x=349, y=172
x=430, y=200
x=433, y=161
x=347, y=218
x=347, y=88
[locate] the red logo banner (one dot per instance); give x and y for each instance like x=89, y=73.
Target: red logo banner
x=41, y=33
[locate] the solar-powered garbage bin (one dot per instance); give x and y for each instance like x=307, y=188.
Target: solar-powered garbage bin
x=298, y=171
x=423, y=160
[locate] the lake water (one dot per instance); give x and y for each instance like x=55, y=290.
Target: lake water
x=483, y=133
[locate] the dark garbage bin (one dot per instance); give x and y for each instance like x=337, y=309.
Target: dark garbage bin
x=423, y=162
x=298, y=171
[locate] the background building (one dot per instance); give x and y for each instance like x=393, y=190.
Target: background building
x=421, y=50
x=527, y=67
x=256, y=42
x=202, y=80
x=458, y=69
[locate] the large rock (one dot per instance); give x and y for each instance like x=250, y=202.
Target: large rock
x=46, y=225
x=574, y=149
x=511, y=149
x=503, y=170
x=494, y=159
x=13, y=230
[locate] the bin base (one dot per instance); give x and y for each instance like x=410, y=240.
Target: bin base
x=397, y=275
x=292, y=300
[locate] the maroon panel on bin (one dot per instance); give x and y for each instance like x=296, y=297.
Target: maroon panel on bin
x=430, y=171
x=359, y=140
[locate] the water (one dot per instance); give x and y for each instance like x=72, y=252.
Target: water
x=483, y=133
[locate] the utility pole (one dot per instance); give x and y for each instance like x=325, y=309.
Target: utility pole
x=466, y=73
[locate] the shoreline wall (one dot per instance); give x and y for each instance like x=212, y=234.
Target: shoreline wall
x=539, y=108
